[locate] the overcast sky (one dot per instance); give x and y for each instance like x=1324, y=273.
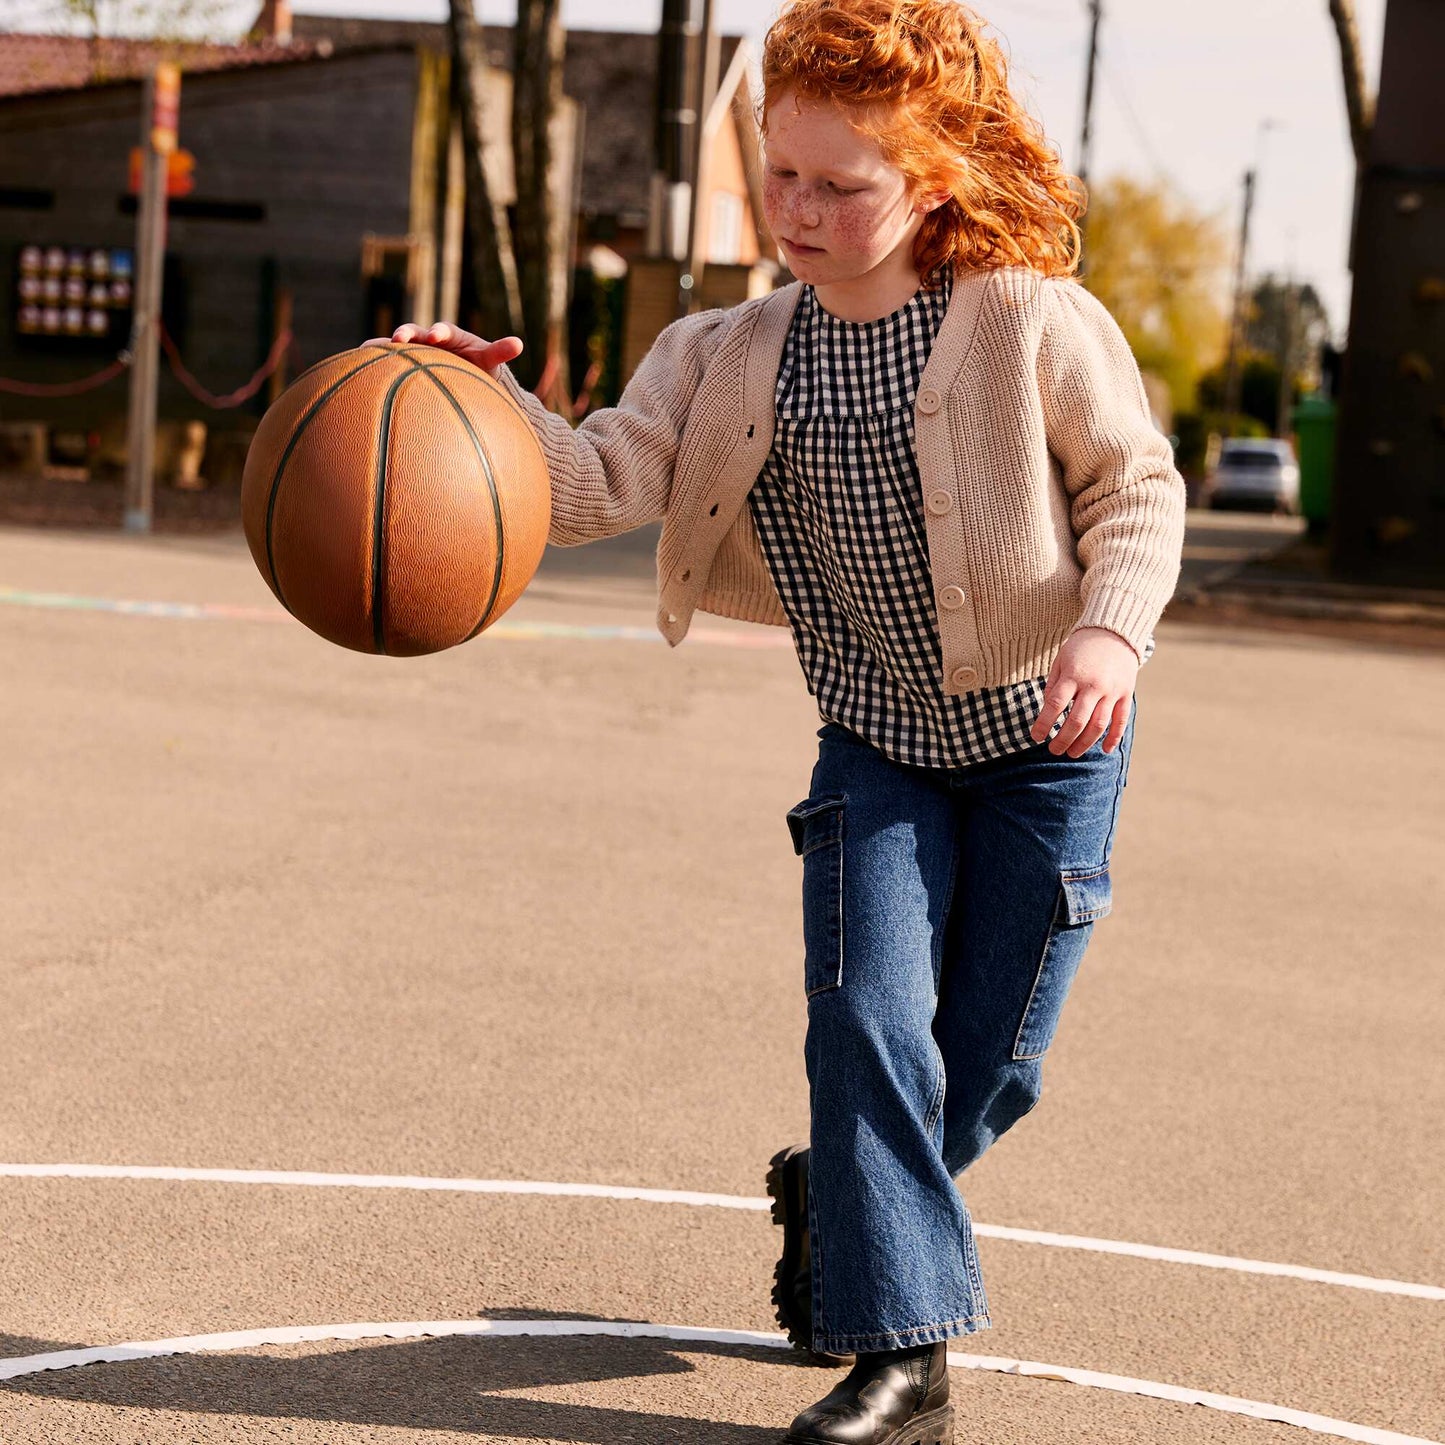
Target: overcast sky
x=1184, y=92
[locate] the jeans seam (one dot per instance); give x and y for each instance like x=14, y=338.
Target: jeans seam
x=939, y=1089
x=936, y=1107
x=851, y=1344
x=1118, y=794
x=1019, y=1058
x=815, y=1248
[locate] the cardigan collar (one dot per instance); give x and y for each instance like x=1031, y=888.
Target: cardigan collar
x=950, y=347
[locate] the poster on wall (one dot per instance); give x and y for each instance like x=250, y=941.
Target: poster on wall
x=83, y=293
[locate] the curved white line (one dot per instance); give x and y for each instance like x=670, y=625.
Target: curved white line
x=715, y=1201
x=413, y=1329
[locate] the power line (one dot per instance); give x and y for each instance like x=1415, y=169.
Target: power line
x=1140, y=131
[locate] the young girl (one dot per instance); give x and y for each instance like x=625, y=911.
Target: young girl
x=932, y=458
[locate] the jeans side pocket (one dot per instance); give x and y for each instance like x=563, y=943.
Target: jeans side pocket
x=816, y=826
x=1085, y=894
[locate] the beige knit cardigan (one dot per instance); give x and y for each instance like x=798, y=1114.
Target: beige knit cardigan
x=1050, y=499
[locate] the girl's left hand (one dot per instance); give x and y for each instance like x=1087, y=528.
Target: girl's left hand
x=1095, y=671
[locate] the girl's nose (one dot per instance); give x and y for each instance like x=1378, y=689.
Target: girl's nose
x=802, y=206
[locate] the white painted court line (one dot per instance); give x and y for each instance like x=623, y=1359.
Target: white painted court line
x=715, y=1201
x=13, y=1369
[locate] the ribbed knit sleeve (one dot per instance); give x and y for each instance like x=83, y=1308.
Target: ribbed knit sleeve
x=614, y=472
x=1127, y=498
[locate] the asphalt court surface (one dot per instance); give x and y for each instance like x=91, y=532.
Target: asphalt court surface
x=527, y=912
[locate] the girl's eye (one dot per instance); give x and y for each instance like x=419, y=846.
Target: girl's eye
x=841, y=190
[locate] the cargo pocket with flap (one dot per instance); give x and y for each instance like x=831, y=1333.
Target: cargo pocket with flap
x=816, y=826
x=1085, y=894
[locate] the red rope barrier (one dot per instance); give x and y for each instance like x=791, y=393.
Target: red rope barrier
x=583, y=404
x=242, y=394
x=549, y=384
x=64, y=388
x=284, y=344
x=549, y=376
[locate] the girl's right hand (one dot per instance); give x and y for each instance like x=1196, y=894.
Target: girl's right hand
x=488, y=355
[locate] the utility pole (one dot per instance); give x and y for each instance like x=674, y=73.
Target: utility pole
x=1086, y=139
x=160, y=111
x=1288, y=347
x=1232, y=369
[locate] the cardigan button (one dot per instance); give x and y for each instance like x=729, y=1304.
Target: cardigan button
x=929, y=401
x=953, y=598
x=964, y=676
x=939, y=502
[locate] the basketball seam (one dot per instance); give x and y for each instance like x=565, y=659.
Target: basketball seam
x=378, y=540
x=504, y=395
x=286, y=457
x=491, y=487
x=468, y=369
x=327, y=360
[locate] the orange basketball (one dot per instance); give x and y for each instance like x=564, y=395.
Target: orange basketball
x=396, y=499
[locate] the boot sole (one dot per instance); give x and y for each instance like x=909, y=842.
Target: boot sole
x=934, y=1428
x=799, y=1332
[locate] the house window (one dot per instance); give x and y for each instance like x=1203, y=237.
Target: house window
x=725, y=235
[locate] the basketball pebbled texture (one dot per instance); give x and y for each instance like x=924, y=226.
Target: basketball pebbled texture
x=396, y=500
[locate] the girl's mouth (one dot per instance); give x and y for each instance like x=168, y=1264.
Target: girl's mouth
x=801, y=249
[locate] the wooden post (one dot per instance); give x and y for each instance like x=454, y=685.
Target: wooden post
x=159, y=106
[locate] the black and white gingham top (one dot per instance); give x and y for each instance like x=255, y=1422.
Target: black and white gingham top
x=839, y=514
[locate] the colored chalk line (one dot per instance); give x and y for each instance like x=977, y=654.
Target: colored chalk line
x=515, y=629
x=21, y=1366
x=317, y=1180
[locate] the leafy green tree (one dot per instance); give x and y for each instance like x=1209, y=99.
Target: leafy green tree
x=1161, y=267
x=1288, y=315
x=1259, y=389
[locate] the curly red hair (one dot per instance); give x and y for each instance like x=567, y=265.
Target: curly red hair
x=925, y=80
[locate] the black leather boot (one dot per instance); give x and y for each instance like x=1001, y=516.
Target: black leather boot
x=898, y=1397
x=793, y=1276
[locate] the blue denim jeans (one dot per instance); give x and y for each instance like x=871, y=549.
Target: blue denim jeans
x=945, y=913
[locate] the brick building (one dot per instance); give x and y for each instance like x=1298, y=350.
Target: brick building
x=326, y=189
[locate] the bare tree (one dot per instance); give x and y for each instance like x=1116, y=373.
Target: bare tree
x=536, y=98
x=151, y=19
x=1357, y=98
x=493, y=264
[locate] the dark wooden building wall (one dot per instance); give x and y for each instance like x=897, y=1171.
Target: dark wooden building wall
x=294, y=163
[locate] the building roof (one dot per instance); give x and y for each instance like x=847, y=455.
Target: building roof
x=32, y=64
x=612, y=74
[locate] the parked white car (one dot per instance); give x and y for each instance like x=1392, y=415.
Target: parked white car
x=1257, y=475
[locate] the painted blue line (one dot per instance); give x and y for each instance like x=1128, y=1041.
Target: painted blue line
x=516, y=630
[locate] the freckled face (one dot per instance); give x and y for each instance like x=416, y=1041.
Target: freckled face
x=835, y=206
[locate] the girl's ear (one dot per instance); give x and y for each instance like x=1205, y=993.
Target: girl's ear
x=926, y=201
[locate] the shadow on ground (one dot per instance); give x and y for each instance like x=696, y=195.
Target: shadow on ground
x=457, y=1384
